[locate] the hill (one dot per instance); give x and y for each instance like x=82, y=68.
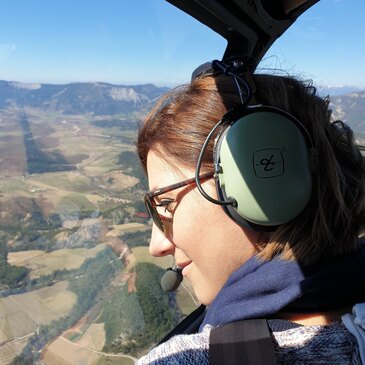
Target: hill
x=79, y=98
x=351, y=109
x=108, y=99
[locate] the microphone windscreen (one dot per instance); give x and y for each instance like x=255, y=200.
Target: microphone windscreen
x=171, y=280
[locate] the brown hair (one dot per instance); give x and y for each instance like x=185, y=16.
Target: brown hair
x=335, y=216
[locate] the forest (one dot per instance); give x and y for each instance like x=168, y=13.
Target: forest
x=10, y=276
x=160, y=312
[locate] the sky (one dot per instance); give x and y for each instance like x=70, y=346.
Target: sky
x=142, y=41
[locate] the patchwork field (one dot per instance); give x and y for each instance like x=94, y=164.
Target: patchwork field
x=120, y=229
x=11, y=349
x=141, y=254
x=84, y=342
x=87, y=350
x=92, y=153
x=43, y=263
x=22, y=313
x=64, y=352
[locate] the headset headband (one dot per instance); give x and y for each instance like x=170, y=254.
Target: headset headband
x=230, y=68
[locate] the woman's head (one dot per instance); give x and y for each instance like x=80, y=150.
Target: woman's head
x=177, y=127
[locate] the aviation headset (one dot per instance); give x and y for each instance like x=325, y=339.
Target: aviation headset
x=261, y=157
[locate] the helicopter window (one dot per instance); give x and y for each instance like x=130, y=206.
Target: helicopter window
x=314, y=47
x=323, y=46
x=76, y=281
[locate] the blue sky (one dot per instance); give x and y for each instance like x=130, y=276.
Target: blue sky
x=129, y=42
x=327, y=44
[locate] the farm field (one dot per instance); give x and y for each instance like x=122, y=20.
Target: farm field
x=11, y=349
x=120, y=229
x=86, y=351
x=140, y=254
x=83, y=343
x=92, y=154
x=44, y=263
x=23, y=313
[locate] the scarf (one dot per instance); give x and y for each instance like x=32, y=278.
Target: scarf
x=259, y=289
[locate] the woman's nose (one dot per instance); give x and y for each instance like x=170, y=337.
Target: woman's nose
x=160, y=245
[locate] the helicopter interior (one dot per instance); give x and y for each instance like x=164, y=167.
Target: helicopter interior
x=77, y=79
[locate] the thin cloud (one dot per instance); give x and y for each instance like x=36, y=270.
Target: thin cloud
x=6, y=51
x=312, y=30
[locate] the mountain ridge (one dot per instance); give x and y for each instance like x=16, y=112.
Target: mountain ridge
x=98, y=98
x=351, y=109
x=102, y=98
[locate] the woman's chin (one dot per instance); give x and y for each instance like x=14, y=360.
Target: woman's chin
x=204, y=295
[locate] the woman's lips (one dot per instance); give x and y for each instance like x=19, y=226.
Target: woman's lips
x=184, y=266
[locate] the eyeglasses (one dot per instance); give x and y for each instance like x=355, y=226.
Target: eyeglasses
x=162, y=214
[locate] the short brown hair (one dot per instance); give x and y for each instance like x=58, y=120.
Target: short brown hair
x=335, y=216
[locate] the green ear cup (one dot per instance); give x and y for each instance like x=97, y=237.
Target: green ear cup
x=264, y=165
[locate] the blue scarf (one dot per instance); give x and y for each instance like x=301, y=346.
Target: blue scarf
x=259, y=289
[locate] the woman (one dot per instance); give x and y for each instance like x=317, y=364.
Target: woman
x=303, y=271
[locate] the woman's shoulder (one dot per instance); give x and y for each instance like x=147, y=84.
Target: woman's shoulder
x=294, y=344
x=181, y=349
x=327, y=344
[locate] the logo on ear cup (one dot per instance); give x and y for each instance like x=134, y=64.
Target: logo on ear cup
x=268, y=163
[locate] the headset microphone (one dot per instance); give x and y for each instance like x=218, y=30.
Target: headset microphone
x=171, y=279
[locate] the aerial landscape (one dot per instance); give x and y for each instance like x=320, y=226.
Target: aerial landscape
x=77, y=283
x=76, y=277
